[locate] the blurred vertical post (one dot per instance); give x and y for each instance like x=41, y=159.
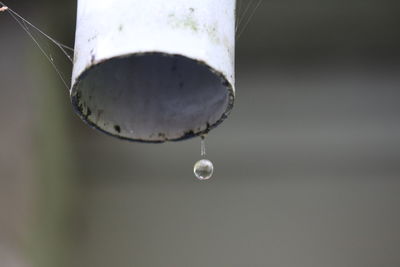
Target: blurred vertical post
x=54, y=213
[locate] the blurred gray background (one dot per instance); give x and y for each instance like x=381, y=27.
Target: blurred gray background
x=307, y=166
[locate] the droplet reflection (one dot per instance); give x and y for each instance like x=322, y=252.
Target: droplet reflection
x=203, y=169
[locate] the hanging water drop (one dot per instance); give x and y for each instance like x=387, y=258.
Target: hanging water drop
x=203, y=146
x=203, y=169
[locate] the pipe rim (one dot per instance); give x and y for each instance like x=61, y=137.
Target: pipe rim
x=74, y=98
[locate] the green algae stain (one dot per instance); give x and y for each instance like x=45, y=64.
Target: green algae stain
x=212, y=31
x=186, y=21
x=191, y=23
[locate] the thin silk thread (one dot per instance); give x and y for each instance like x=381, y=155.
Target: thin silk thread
x=25, y=24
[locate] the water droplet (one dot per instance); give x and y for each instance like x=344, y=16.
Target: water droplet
x=203, y=146
x=203, y=169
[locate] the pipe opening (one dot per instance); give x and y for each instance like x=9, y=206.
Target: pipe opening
x=152, y=97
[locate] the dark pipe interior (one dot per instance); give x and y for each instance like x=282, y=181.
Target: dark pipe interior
x=152, y=97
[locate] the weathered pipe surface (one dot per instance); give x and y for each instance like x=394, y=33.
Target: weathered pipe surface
x=154, y=71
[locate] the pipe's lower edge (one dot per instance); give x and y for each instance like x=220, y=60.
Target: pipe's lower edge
x=190, y=134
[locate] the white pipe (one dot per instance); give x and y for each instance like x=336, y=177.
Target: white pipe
x=154, y=70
